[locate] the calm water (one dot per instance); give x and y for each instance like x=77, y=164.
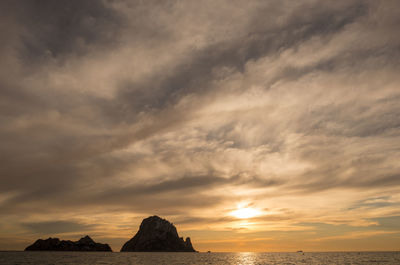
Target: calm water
x=44, y=258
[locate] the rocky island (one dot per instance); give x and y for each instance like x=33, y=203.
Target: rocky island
x=157, y=234
x=55, y=244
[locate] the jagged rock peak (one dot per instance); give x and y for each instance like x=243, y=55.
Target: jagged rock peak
x=86, y=240
x=157, y=234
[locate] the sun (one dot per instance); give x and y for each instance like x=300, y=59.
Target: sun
x=245, y=213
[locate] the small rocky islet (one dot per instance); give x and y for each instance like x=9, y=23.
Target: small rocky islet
x=55, y=244
x=155, y=235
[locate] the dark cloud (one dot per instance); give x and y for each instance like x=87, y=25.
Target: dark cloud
x=388, y=223
x=375, y=202
x=57, y=227
x=69, y=28
x=363, y=182
x=366, y=120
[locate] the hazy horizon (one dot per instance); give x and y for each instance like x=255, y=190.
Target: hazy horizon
x=251, y=125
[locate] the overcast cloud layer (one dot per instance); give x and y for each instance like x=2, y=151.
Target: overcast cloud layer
x=111, y=111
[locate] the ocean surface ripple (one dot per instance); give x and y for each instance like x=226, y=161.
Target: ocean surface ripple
x=248, y=258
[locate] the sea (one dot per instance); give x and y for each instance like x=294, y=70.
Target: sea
x=159, y=258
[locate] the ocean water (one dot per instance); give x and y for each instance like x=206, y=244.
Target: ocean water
x=105, y=258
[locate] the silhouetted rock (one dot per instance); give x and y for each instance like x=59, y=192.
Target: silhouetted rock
x=54, y=244
x=157, y=234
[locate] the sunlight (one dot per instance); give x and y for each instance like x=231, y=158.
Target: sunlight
x=244, y=213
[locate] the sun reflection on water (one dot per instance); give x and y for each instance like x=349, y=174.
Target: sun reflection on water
x=246, y=258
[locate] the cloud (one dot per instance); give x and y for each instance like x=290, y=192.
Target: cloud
x=65, y=29
x=57, y=227
x=189, y=108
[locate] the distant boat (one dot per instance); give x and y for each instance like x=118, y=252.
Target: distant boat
x=209, y=251
x=300, y=251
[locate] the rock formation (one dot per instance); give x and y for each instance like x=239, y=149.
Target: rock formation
x=157, y=234
x=54, y=244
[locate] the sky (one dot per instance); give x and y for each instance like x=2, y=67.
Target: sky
x=251, y=125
